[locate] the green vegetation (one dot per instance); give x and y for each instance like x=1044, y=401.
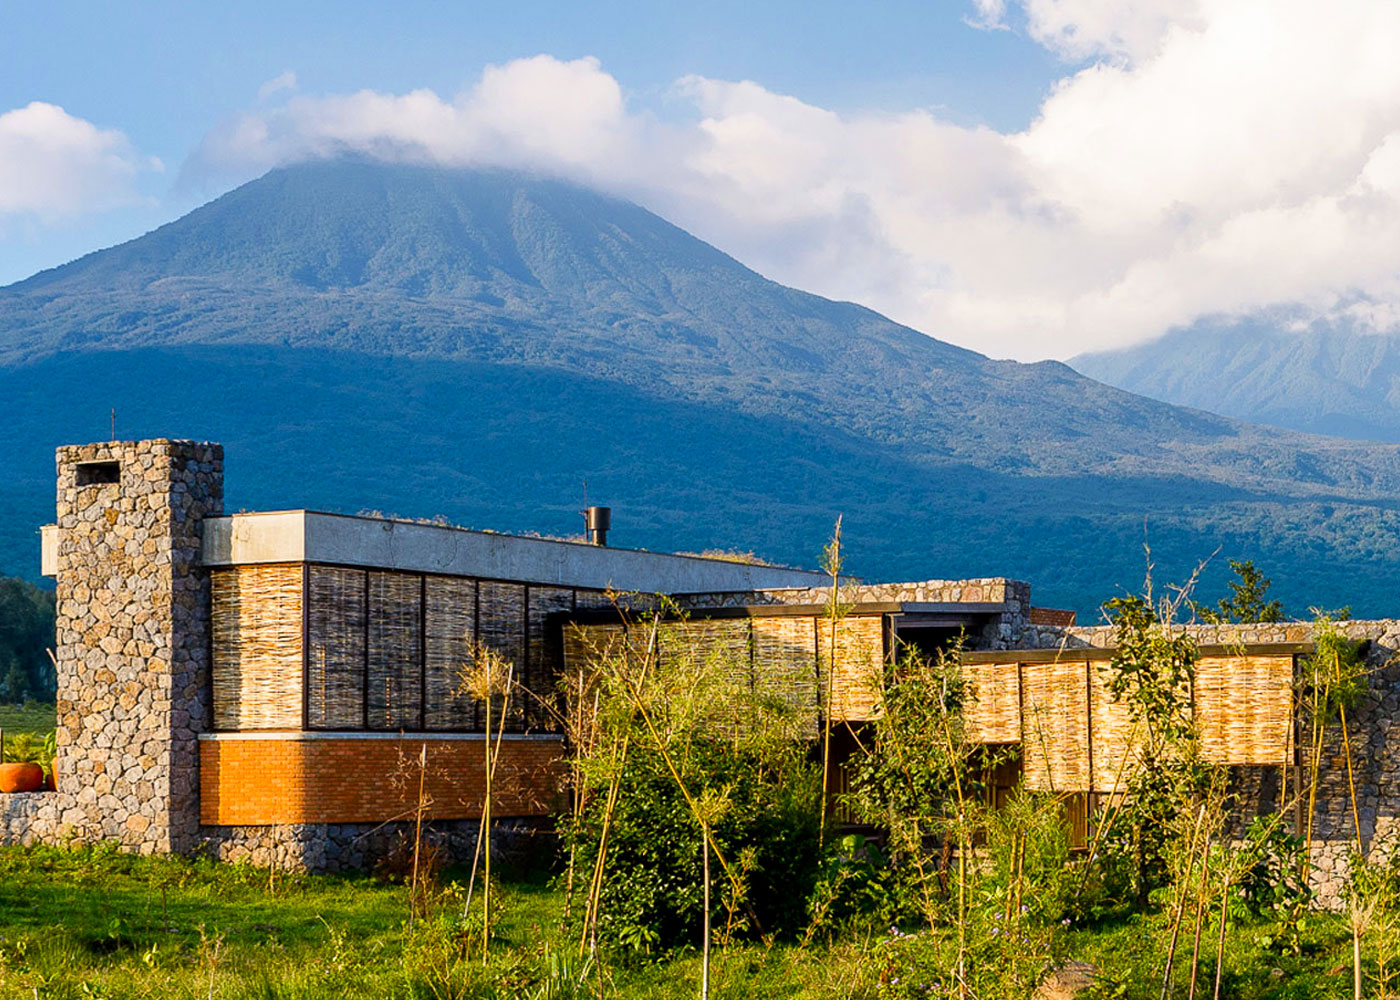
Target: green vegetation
x=26, y=635
x=689, y=777
x=93, y=922
x=1248, y=600
x=31, y=717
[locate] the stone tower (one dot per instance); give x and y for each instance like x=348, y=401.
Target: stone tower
x=132, y=639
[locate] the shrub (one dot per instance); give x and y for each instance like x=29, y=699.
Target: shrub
x=651, y=895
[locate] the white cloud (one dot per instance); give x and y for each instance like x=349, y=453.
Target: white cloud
x=990, y=15
x=532, y=112
x=54, y=165
x=1213, y=157
x=283, y=82
x=1121, y=29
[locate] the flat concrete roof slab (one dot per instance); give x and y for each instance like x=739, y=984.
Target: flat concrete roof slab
x=383, y=543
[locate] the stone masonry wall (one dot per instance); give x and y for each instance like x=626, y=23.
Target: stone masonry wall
x=132, y=647
x=1006, y=632
x=357, y=846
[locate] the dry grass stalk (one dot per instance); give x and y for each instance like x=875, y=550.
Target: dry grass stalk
x=831, y=564
x=486, y=677
x=1214, y=820
x=1181, y=902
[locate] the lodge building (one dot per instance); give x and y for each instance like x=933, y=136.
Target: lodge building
x=253, y=684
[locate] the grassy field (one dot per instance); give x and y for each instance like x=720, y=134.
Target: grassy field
x=30, y=718
x=91, y=922
x=98, y=923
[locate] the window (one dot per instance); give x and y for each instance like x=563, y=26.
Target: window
x=96, y=473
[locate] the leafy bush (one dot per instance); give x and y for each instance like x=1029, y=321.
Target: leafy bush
x=651, y=896
x=30, y=748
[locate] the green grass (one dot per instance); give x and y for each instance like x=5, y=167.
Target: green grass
x=93, y=922
x=30, y=718
x=98, y=923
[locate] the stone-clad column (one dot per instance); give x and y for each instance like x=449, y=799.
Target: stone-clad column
x=133, y=638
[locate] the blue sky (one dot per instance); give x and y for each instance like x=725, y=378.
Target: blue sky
x=164, y=74
x=1026, y=177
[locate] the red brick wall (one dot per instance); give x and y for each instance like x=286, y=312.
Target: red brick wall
x=260, y=782
x=1052, y=616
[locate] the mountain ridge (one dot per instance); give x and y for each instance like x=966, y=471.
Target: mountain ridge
x=1327, y=379
x=275, y=317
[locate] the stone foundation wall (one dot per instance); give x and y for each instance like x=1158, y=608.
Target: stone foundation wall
x=321, y=847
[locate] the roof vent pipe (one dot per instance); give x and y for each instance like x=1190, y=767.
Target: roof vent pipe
x=598, y=521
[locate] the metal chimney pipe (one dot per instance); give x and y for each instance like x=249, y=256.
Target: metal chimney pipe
x=599, y=522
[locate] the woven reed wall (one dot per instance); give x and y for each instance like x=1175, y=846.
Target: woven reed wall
x=501, y=626
x=592, y=600
x=770, y=657
x=1055, y=726
x=707, y=646
x=1244, y=708
x=450, y=627
x=335, y=670
x=1113, y=734
x=860, y=658
x=583, y=643
x=1077, y=738
x=394, y=688
x=545, y=652
x=256, y=627
x=993, y=710
x=711, y=663
x=785, y=667
x=384, y=650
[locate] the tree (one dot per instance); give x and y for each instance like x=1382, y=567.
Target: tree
x=1246, y=602
x=1152, y=671
x=26, y=631
x=15, y=686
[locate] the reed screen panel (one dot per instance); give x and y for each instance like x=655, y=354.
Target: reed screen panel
x=1055, y=726
x=583, y=644
x=501, y=626
x=391, y=651
x=992, y=712
x=337, y=624
x=394, y=687
x=257, y=652
x=1113, y=732
x=1077, y=737
x=544, y=652
x=449, y=622
x=785, y=667
x=708, y=665
x=858, y=668
x=1244, y=708
x=703, y=648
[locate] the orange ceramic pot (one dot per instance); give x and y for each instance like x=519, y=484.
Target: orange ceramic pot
x=51, y=778
x=21, y=777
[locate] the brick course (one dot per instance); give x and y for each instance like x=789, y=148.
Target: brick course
x=297, y=780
